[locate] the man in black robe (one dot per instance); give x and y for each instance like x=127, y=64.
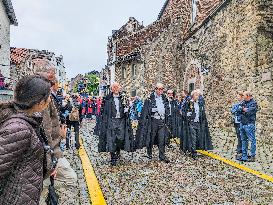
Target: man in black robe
x=152, y=129
x=198, y=133
x=116, y=131
x=172, y=116
x=184, y=123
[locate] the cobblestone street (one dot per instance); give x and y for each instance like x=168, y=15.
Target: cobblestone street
x=226, y=146
x=152, y=102
x=136, y=180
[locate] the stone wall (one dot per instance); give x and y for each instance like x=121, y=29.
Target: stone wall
x=133, y=84
x=264, y=67
x=4, y=43
x=158, y=46
x=235, y=53
x=228, y=48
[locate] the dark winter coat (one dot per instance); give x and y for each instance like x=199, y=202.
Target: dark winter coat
x=21, y=159
x=249, y=117
x=105, y=137
x=144, y=131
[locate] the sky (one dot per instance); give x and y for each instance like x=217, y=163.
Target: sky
x=78, y=30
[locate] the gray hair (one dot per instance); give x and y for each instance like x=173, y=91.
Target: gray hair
x=159, y=85
x=248, y=93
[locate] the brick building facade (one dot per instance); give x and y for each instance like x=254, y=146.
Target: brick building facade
x=218, y=46
x=29, y=61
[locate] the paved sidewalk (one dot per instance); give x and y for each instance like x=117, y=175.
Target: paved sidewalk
x=226, y=145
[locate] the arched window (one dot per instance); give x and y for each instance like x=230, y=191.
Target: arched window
x=194, y=11
x=123, y=73
x=134, y=70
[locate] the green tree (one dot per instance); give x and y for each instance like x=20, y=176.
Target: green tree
x=93, y=84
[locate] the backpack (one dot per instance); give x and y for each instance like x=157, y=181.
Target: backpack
x=74, y=115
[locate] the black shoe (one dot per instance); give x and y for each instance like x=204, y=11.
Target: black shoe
x=113, y=163
x=166, y=160
x=117, y=155
x=251, y=159
x=242, y=160
x=238, y=156
x=194, y=156
x=149, y=156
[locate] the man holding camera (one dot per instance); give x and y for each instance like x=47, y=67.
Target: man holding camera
x=248, y=127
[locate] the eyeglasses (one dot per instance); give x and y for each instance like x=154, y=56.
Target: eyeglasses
x=169, y=93
x=160, y=88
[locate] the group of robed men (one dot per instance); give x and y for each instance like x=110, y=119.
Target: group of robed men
x=162, y=118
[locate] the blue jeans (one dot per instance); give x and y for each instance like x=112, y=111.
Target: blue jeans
x=248, y=134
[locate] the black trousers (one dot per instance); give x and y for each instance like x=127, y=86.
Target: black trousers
x=170, y=129
x=159, y=131
x=116, y=141
x=76, y=126
x=239, y=145
x=119, y=145
x=195, y=135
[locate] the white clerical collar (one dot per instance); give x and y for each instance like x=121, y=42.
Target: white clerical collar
x=157, y=96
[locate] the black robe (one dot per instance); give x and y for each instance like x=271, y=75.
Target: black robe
x=184, y=126
x=144, y=131
x=109, y=112
x=204, y=141
x=173, y=118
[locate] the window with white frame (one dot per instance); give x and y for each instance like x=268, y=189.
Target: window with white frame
x=134, y=70
x=123, y=73
x=194, y=11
